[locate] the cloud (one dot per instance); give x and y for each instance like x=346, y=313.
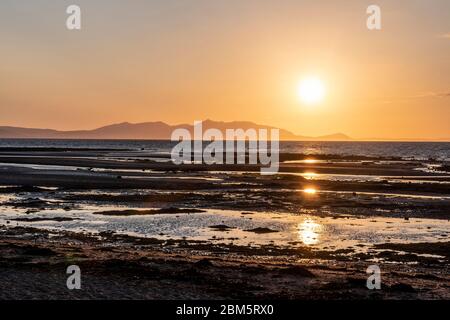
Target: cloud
x=418, y=96
x=445, y=35
x=433, y=94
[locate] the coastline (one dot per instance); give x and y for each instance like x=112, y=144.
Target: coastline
x=143, y=228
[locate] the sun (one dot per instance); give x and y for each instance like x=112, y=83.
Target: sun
x=311, y=90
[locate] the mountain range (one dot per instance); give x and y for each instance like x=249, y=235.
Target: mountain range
x=149, y=130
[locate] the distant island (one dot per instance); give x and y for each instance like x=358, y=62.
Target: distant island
x=150, y=130
x=159, y=130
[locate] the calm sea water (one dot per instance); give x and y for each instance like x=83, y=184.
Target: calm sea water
x=418, y=150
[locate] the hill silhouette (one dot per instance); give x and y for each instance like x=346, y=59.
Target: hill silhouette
x=149, y=130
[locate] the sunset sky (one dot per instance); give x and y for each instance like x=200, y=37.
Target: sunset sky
x=186, y=60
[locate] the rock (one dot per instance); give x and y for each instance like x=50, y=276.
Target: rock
x=261, y=230
x=35, y=251
x=221, y=227
x=203, y=263
x=403, y=287
x=298, y=271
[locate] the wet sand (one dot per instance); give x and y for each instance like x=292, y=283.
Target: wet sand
x=146, y=229
x=33, y=266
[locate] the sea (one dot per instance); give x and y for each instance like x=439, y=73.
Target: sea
x=407, y=150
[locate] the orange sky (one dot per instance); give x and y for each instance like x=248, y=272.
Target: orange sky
x=180, y=61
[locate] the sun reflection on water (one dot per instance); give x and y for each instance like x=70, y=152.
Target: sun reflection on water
x=309, y=175
x=309, y=191
x=309, y=231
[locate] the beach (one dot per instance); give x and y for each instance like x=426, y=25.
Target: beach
x=141, y=227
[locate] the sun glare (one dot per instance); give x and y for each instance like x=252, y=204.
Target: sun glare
x=311, y=90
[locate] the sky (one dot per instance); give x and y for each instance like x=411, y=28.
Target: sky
x=228, y=60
